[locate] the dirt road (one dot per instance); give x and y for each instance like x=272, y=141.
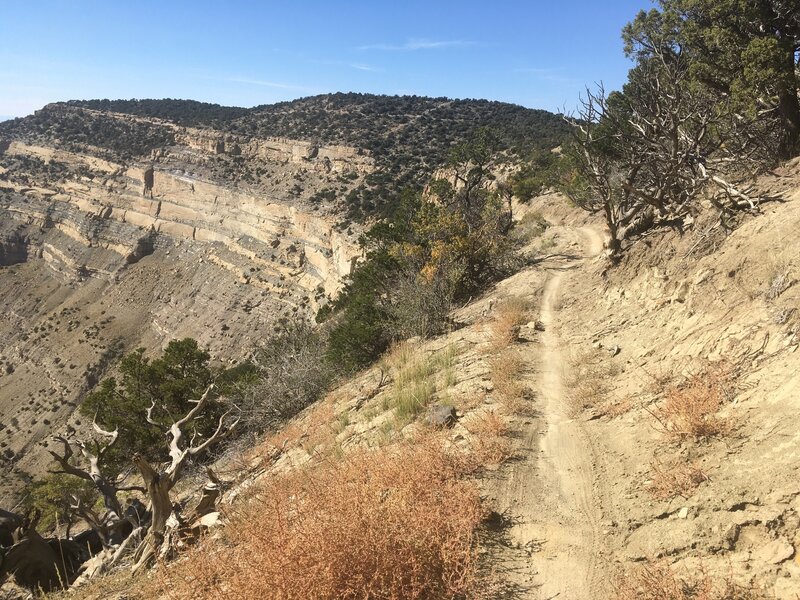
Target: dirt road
x=549, y=494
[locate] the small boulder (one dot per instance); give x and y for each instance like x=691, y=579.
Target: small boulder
x=210, y=520
x=441, y=416
x=775, y=552
x=730, y=536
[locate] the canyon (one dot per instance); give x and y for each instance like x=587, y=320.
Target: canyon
x=99, y=256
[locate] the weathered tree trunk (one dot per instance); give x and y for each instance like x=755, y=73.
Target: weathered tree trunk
x=614, y=243
x=789, y=107
x=158, y=486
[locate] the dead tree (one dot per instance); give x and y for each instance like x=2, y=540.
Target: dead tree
x=644, y=155
x=598, y=185
x=108, y=524
x=160, y=483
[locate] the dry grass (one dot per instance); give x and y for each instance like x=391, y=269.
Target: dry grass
x=530, y=227
x=506, y=365
x=398, y=355
x=658, y=582
x=780, y=280
x=117, y=584
x=491, y=445
x=691, y=410
x=547, y=244
x=617, y=408
x=468, y=401
x=511, y=313
x=418, y=377
x=506, y=370
x=674, y=478
x=314, y=428
x=399, y=523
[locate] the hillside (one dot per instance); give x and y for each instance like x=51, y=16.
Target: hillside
x=565, y=379
x=132, y=223
x=595, y=425
x=408, y=137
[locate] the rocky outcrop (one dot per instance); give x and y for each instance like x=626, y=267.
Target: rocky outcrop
x=328, y=158
x=13, y=249
x=91, y=268
x=332, y=158
x=112, y=213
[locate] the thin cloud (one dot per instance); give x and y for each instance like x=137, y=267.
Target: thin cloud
x=264, y=83
x=363, y=67
x=418, y=44
x=554, y=75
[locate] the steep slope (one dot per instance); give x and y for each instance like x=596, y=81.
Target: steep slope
x=684, y=306
x=92, y=268
x=567, y=444
x=131, y=223
x=704, y=319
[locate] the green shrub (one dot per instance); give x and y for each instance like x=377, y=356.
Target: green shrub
x=54, y=495
x=171, y=383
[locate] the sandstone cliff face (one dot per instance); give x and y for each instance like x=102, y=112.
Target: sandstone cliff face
x=90, y=268
x=279, y=150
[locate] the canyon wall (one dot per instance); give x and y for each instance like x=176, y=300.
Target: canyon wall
x=90, y=268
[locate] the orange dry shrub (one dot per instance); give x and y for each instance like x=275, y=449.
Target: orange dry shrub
x=399, y=523
x=491, y=445
x=658, y=582
x=675, y=478
x=506, y=370
x=312, y=429
x=504, y=328
x=690, y=410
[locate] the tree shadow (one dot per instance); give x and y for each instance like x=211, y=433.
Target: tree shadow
x=504, y=578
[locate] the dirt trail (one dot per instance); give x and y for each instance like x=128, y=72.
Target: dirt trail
x=549, y=493
x=566, y=463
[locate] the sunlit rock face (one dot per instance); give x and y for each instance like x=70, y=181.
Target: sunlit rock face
x=212, y=236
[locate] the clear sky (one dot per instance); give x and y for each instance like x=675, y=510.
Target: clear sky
x=536, y=53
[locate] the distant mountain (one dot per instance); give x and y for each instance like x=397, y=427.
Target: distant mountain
x=409, y=137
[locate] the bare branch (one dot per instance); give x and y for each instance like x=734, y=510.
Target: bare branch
x=198, y=407
x=149, y=416
x=64, y=458
x=131, y=488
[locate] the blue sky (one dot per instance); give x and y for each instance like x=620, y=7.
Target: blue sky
x=537, y=53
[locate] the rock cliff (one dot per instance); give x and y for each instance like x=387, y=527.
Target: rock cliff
x=91, y=267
